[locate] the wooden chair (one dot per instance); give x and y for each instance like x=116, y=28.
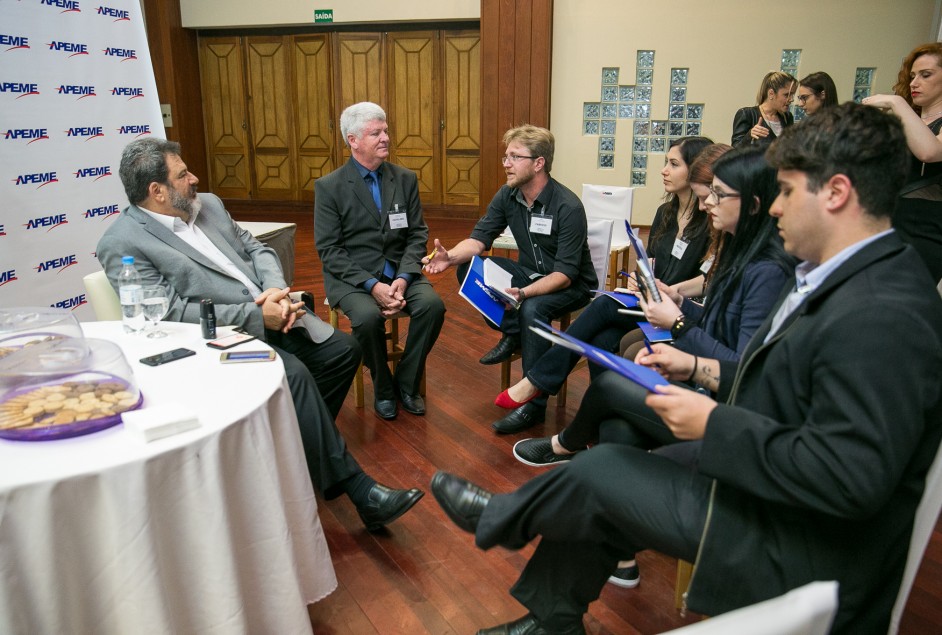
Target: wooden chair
x=599, y=237
x=394, y=352
x=684, y=573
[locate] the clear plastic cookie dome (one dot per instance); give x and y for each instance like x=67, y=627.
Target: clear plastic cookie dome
x=54, y=386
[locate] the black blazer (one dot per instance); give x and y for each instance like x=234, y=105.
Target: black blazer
x=353, y=241
x=821, y=462
x=746, y=118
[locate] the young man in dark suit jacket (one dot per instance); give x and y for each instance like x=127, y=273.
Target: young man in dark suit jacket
x=815, y=453
x=371, y=238
x=188, y=243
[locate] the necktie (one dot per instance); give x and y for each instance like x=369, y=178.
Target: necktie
x=372, y=179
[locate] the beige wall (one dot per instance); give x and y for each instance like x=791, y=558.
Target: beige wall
x=226, y=13
x=728, y=45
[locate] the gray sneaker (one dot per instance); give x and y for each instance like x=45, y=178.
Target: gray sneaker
x=539, y=452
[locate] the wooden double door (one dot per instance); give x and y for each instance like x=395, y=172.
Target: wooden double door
x=272, y=105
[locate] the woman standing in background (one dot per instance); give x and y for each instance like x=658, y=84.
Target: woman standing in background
x=918, y=104
x=762, y=123
x=816, y=91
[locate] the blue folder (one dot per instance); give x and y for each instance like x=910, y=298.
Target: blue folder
x=627, y=300
x=654, y=334
x=644, y=377
x=479, y=295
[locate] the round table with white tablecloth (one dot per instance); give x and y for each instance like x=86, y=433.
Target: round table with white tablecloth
x=210, y=530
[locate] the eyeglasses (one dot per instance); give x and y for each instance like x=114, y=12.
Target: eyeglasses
x=803, y=98
x=719, y=196
x=513, y=158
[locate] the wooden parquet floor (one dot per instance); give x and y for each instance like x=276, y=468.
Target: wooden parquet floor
x=424, y=575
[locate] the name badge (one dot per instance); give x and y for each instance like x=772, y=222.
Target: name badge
x=541, y=225
x=679, y=248
x=398, y=220
x=707, y=264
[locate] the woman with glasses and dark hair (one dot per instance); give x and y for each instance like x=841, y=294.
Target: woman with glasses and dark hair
x=918, y=104
x=816, y=91
x=679, y=239
x=762, y=123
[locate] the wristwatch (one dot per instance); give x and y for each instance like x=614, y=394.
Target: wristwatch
x=679, y=327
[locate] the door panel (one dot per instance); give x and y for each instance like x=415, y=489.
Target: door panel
x=461, y=143
x=224, y=113
x=315, y=130
x=360, y=69
x=270, y=116
x=413, y=111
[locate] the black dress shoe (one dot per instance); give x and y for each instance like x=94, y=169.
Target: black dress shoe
x=462, y=500
x=529, y=625
x=526, y=416
x=413, y=404
x=385, y=505
x=386, y=408
x=506, y=347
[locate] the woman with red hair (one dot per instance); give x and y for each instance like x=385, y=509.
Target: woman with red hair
x=918, y=104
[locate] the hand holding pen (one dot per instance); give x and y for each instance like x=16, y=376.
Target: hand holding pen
x=437, y=260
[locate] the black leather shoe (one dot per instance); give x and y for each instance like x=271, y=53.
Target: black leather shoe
x=413, y=404
x=526, y=416
x=528, y=625
x=385, y=505
x=506, y=347
x=462, y=500
x=386, y=408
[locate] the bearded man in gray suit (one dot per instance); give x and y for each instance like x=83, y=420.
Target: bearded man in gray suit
x=188, y=243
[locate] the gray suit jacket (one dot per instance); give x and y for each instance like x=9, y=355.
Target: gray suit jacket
x=163, y=258
x=353, y=241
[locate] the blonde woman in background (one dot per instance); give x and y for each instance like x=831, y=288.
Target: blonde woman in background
x=762, y=123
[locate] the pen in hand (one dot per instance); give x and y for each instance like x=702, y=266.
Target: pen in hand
x=647, y=345
x=433, y=254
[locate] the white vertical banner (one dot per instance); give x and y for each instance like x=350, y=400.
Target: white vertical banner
x=76, y=86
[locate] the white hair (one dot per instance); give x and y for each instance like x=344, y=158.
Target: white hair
x=358, y=115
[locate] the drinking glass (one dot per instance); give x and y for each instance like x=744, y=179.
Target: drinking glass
x=156, y=304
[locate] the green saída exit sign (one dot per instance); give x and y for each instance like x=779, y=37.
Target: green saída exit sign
x=323, y=15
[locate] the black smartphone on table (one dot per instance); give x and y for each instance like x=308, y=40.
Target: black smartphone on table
x=168, y=356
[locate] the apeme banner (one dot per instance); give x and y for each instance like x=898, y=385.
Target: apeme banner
x=76, y=85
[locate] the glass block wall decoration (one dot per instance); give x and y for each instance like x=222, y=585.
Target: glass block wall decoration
x=863, y=83
x=790, y=60
x=618, y=101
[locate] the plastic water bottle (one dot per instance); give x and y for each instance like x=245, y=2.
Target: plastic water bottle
x=131, y=294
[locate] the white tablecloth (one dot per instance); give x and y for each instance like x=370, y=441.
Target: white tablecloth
x=214, y=530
